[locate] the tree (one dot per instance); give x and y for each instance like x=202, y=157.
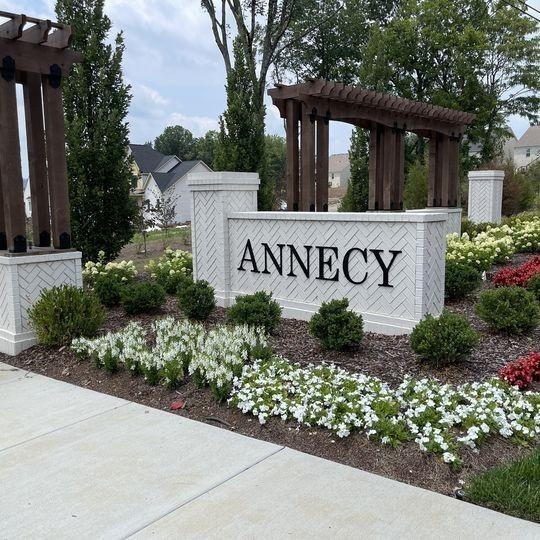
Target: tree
x=416, y=186
x=241, y=135
x=356, y=198
x=275, y=149
x=472, y=55
x=163, y=212
x=144, y=220
x=96, y=103
x=176, y=141
x=206, y=147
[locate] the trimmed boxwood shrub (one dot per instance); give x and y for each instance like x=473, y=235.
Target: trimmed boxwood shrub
x=533, y=285
x=256, y=310
x=142, y=297
x=108, y=289
x=443, y=339
x=512, y=310
x=335, y=326
x=197, y=300
x=460, y=279
x=65, y=312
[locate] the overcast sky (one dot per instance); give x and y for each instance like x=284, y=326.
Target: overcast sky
x=175, y=69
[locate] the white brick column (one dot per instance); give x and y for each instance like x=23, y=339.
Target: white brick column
x=22, y=279
x=453, y=217
x=485, y=196
x=214, y=196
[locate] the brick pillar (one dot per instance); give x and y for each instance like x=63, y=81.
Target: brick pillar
x=485, y=196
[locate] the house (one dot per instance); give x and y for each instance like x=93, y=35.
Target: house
x=159, y=175
x=508, y=146
x=339, y=170
x=527, y=148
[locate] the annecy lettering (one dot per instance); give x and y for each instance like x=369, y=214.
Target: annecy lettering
x=286, y=258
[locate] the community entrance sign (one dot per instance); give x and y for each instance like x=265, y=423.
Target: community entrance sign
x=390, y=265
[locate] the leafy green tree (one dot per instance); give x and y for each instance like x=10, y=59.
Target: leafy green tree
x=356, y=198
x=96, y=103
x=276, y=157
x=206, y=147
x=177, y=141
x=241, y=136
x=415, y=193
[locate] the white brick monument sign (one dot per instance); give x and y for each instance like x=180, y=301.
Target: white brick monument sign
x=390, y=265
x=485, y=196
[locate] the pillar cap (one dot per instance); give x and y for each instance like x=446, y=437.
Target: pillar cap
x=486, y=175
x=223, y=181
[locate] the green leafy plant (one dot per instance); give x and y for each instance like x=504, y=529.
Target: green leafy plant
x=172, y=269
x=256, y=310
x=142, y=297
x=108, y=289
x=65, y=312
x=533, y=285
x=335, y=326
x=460, y=279
x=443, y=339
x=197, y=300
x=512, y=310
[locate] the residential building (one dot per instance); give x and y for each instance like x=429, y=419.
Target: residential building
x=159, y=175
x=527, y=148
x=339, y=170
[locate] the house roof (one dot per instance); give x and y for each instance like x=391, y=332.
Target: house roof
x=146, y=158
x=338, y=162
x=165, y=180
x=530, y=138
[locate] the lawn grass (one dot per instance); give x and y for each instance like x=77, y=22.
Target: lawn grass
x=513, y=489
x=182, y=234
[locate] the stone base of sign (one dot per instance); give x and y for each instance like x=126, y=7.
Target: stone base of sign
x=453, y=217
x=22, y=278
x=345, y=255
x=485, y=196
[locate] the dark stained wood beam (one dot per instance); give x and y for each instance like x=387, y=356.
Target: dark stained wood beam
x=60, y=38
x=37, y=33
x=13, y=28
x=34, y=58
x=293, y=165
x=10, y=169
x=57, y=168
x=3, y=233
x=323, y=143
x=373, y=168
x=37, y=160
x=307, y=194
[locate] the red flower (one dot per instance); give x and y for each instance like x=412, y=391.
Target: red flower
x=519, y=275
x=523, y=371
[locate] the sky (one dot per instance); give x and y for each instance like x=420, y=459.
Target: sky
x=175, y=69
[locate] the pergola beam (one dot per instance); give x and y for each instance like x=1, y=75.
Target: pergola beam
x=13, y=28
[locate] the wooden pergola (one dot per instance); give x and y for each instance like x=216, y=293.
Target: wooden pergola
x=308, y=108
x=34, y=53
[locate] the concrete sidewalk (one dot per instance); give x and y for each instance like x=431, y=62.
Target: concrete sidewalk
x=78, y=464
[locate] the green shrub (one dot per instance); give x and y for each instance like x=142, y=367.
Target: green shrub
x=108, y=289
x=533, y=285
x=513, y=489
x=142, y=297
x=66, y=312
x=460, y=279
x=171, y=269
x=335, y=326
x=256, y=310
x=197, y=300
x=473, y=229
x=443, y=339
x=512, y=310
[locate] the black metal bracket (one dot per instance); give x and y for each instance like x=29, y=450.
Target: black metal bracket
x=55, y=76
x=456, y=138
x=313, y=115
x=44, y=239
x=397, y=129
x=65, y=241
x=327, y=117
x=3, y=241
x=8, y=68
x=19, y=244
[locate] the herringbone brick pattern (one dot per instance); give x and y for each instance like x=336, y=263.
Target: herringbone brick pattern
x=6, y=318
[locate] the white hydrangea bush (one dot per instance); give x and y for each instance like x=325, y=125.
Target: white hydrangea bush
x=171, y=268
x=439, y=418
x=123, y=271
x=526, y=235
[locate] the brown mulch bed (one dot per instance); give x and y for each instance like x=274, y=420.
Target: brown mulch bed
x=387, y=357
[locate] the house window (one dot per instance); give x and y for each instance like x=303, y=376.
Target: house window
x=332, y=176
x=528, y=152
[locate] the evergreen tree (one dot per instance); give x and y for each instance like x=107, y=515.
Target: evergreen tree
x=241, y=143
x=96, y=103
x=356, y=198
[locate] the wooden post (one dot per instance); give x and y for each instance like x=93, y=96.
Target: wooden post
x=293, y=172
x=453, y=188
x=388, y=167
x=399, y=171
x=435, y=174
x=307, y=196
x=35, y=137
x=373, y=156
x=10, y=164
x=322, y=164
x=3, y=234
x=56, y=159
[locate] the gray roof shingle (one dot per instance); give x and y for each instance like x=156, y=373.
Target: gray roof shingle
x=146, y=158
x=165, y=180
